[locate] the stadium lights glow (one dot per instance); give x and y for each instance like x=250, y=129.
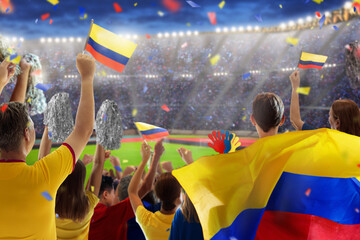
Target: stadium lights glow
x=218, y=30
x=167, y=35
x=327, y=14
x=42, y=40
x=64, y=40
x=174, y=34
x=160, y=35
x=188, y=33
x=135, y=36
x=181, y=34
x=241, y=29
x=300, y=21
x=71, y=39
x=14, y=39
x=233, y=29
x=57, y=40
x=308, y=19
x=49, y=40
x=127, y=36
x=249, y=28
x=348, y=5
x=21, y=39
x=225, y=29
x=78, y=39
x=282, y=25
x=196, y=33
x=291, y=23
x=257, y=28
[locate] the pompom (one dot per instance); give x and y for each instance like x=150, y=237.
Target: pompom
x=109, y=130
x=58, y=117
x=5, y=51
x=352, y=52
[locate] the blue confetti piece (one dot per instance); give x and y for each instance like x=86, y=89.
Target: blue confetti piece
x=336, y=28
x=321, y=21
x=7, y=10
x=192, y=4
x=47, y=196
x=104, y=117
x=170, y=71
x=12, y=57
x=307, y=1
x=36, y=21
x=246, y=75
x=258, y=17
x=56, y=6
x=145, y=89
x=82, y=12
x=150, y=58
x=118, y=168
x=208, y=118
x=50, y=134
x=43, y=86
x=57, y=215
x=168, y=229
x=154, y=4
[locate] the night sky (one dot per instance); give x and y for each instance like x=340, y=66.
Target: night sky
x=144, y=18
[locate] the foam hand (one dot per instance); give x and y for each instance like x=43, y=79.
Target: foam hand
x=234, y=143
x=227, y=141
x=218, y=141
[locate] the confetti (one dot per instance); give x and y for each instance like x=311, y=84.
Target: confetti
x=7, y=10
x=43, y=86
x=303, y=90
x=336, y=28
x=321, y=21
x=307, y=193
x=51, y=21
x=188, y=24
x=50, y=135
x=85, y=17
x=244, y=118
x=322, y=76
x=208, y=118
x=172, y=5
x=280, y=5
x=53, y=2
x=134, y=112
x=56, y=6
x=45, y=16
x=168, y=229
x=145, y=89
x=57, y=215
x=246, y=75
x=318, y=14
x=147, y=36
x=4, y=107
x=82, y=12
x=192, y=4
x=184, y=45
x=307, y=1
x=318, y=1
x=46, y=195
x=222, y=4
x=117, y=7
x=14, y=59
x=258, y=17
x=160, y=13
x=29, y=100
x=165, y=108
x=103, y=73
x=118, y=168
x=36, y=20
x=92, y=188
x=135, y=4
x=214, y=59
x=212, y=17
x=125, y=161
x=292, y=41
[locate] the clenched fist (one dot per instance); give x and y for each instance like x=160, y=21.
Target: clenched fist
x=86, y=67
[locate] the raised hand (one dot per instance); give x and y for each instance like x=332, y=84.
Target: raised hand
x=86, y=67
x=218, y=141
x=107, y=154
x=186, y=155
x=87, y=159
x=7, y=70
x=234, y=143
x=159, y=148
x=295, y=79
x=145, y=152
x=227, y=141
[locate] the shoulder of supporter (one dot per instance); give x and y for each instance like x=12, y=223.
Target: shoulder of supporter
x=93, y=199
x=143, y=216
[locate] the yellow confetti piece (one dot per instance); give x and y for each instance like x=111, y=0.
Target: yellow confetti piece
x=348, y=24
x=322, y=76
x=103, y=73
x=125, y=161
x=85, y=17
x=318, y=1
x=15, y=60
x=214, y=59
x=312, y=28
x=209, y=55
x=243, y=108
x=53, y=2
x=303, y=90
x=188, y=24
x=29, y=100
x=92, y=188
x=134, y=112
x=99, y=74
x=222, y=4
x=244, y=118
x=10, y=50
x=280, y=5
x=160, y=13
x=292, y=41
x=135, y=4
x=28, y=124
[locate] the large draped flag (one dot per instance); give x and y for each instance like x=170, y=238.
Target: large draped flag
x=150, y=132
x=297, y=185
x=108, y=48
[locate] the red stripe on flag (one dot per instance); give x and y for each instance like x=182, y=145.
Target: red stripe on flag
x=285, y=225
x=156, y=135
x=309, y=66
x=105, y=60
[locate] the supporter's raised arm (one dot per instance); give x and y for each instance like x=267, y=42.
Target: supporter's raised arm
x=186, y=155
x=19, y=93
x=7, y=70
x=116, y=163
x=134, y=196
x=96, y=173
x=150, y=176
x=45, y=145
x=84, y=122
x=295, y=117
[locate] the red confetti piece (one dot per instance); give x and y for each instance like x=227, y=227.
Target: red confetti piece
x=117, y=7
x=4, y=107
x=165, y=108
x=51, y=21
x=45, y=16
x=147, y=36
x=212, y=17
x=36, y=73
x=172, y=5
x=307, y=193
x=356, y=5
x=318, y=14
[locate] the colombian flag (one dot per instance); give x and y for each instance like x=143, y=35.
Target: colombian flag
x=297, y=185
x=108, y=48
x=150, y=132
x=309, y=60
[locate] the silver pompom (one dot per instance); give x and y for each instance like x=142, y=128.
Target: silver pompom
x=109, y=130
x=5, y=51
x=58, y=117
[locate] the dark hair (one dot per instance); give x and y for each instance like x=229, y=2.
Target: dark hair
x=268, y=110
x=71, y=201
x=13, y=122
x=167, y=189
x=188, y=210
x=150, y=198
x=348, y=113
x=107, y=184
x=122, y=188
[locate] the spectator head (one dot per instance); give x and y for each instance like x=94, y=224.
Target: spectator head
x=188, y=210
x=267, y=112
x=17, y=131
x=168, y=190
x=344, y=116
x=122, y=188
x=71, y=201
x=107, y=192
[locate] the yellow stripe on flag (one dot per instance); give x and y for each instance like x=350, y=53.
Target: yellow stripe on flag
x=313, y=57
x=112, y=41
x=303, y=90
x=144, y=126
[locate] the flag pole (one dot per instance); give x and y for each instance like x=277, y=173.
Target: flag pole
x=141, y=134
x=87, y=38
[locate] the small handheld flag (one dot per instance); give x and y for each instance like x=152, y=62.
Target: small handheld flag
x=150, y=132
x=108, y=48
x=309, y=60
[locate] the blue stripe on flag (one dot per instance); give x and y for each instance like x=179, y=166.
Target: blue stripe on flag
x=107, y=52
x=311, y=63
x=153, y=131
x=335, y=199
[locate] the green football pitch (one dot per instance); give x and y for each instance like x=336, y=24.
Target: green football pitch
x=129, y=154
